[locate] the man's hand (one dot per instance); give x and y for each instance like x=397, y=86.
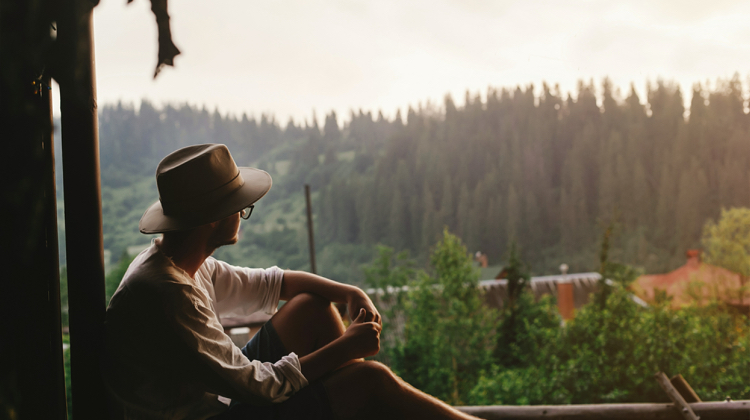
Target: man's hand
x=359, y=300
x=362, y=338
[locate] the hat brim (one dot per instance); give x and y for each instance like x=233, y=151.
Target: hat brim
x=257, y=184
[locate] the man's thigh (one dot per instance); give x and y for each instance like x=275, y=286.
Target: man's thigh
x=306, y=323
x=311, y=402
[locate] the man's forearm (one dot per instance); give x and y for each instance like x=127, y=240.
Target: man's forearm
x=296, y=282
x=324, y=360
x=360, y=340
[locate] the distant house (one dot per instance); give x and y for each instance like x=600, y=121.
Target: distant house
x=487, y=271
x=696, y=281
x=571, y=290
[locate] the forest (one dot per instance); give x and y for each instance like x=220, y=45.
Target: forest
x=531, y=165
x=532, y=178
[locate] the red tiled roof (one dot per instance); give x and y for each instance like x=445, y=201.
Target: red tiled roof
x=693, y=281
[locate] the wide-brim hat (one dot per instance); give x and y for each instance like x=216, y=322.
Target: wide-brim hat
x=201, y=184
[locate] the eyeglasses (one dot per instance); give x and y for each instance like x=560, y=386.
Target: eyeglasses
x=246, y=212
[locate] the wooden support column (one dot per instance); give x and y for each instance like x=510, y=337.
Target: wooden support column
x=31, y=366
x=83, y=212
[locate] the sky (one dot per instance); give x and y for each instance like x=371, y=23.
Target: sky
x=299, y=58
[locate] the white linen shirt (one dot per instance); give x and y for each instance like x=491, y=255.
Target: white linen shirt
x=166, y=355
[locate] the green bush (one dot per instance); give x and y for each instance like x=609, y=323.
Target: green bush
x=450, y=334
x=610, y=355
x=387, y=273
x=66, y=366
x=445, y=339
x=526, y=326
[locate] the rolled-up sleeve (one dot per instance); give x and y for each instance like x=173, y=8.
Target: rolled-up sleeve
x=241, y=291
x=220, y=364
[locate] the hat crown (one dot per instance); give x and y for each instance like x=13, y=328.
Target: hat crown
x=204, y=172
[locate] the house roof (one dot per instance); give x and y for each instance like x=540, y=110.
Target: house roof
x=696, y=281
x=491, y=271
x=583, y=285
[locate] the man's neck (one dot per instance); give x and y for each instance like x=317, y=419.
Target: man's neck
x=188, y=255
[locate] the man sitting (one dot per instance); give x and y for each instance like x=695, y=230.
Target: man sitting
x=166, y=355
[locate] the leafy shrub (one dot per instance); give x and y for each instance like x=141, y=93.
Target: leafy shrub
x=610, y=355
x=450, y=334
x=607, y=354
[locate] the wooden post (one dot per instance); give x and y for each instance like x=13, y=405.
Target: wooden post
x=31, y=366
x=680, y=404
x=684, y=388
x=310, y=236
x=83, y=210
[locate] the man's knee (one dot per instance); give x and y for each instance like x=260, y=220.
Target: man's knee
x=376, y=376
x=308, y=302
x=362, y=390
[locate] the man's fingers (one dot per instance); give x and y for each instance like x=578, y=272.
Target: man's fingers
x=361, y=316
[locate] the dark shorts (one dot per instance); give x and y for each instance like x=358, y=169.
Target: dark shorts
x=311, y=402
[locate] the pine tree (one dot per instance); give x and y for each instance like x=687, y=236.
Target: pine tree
x=447, y=205
x=513, y=213
x=397, y=221
x=463, y=213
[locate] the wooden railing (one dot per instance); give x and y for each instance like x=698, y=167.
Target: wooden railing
x=724, y=410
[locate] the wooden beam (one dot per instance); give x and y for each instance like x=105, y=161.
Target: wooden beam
x=732, y=410
x=684, y=388
x=680, y=404
x=83, y=210
x=31, y=367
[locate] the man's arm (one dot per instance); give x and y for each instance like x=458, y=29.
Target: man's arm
x=296, y=282
x=360, y=340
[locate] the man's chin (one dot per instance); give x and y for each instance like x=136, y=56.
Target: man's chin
x=218, y=245
x=229, y=242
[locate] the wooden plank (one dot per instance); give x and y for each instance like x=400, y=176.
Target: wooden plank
x=679, y=402
x=684, y=388
x=733, y=410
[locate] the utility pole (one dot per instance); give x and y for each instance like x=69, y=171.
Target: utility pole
x=310, y=236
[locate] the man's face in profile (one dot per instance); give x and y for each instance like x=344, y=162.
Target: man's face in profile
x=226, y=231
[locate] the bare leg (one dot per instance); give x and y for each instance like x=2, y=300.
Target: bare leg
x=369, y=390
x=365, y=390
x=306, y=323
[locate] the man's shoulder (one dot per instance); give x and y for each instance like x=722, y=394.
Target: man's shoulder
x=153, y=281
x=152, y=269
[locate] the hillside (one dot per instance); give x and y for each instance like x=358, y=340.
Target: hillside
x=534, y=165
